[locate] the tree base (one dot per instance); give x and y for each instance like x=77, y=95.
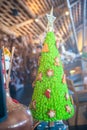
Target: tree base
x=56, y=126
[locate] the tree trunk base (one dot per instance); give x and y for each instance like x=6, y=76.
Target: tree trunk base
x=51, y=124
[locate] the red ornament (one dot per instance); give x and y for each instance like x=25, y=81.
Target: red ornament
x=47, y=93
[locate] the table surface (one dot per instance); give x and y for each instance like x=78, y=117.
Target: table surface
x=82, y=127
x=59, y=126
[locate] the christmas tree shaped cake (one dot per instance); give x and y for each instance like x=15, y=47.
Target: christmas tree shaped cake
x=50, y=100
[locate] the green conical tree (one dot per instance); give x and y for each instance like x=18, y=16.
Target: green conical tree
x=50, y=100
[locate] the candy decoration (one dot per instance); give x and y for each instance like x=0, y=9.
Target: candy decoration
x=47, y=93
x=51, y=113
x=39, y=77
x=64, y=79
x=68, y=109
x=49, y=73
x=34, y=104
x=57, y=44
x=33, y=84
x=71, y=99
x=57, y=62
x=67, y=96
x=45, y=48
x=39, y=60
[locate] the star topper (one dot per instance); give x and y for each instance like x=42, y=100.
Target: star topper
x=51, y=20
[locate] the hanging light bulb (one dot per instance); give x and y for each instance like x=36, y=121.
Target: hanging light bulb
x=36, y=20
x=67, y=13
x=34, y=51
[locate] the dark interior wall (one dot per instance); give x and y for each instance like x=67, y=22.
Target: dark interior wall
x=25, y=61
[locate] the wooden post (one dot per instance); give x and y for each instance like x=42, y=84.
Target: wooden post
x=84, y=26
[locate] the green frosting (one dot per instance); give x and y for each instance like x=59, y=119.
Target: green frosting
x=57, y=101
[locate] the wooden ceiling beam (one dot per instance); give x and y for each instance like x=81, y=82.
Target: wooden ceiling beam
x=22, y=24
x=56, y=8
x=26, y=9
x=32, y=20
x=1, y=1
x=7, y=30
x=39, y=23
x=30, y=12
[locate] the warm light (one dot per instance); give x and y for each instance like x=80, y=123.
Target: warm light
x=67, y=13
x=72, y=72
x=34, y=51
x=36, y=20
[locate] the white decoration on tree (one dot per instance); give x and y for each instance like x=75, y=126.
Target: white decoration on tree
x=51, y=20
x=51, y=113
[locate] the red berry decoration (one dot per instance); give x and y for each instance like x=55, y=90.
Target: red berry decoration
x=47, y=93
